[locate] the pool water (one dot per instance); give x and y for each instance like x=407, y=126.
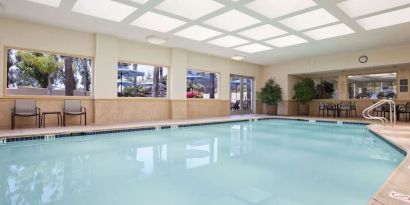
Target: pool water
x=269, y=162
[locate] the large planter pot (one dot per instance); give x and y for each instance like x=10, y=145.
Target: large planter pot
x=271, y=109
x=303, y=109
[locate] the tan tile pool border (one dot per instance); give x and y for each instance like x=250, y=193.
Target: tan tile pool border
x=398, y=181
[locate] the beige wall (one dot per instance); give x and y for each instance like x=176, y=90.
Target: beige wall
x=106, y=50
x=380, y=60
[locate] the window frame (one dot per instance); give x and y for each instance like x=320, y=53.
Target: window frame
x=5, y=74
x=206, y=71
x=370, y=73
x=167, y=97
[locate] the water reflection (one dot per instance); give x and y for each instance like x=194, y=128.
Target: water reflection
x=74, y=170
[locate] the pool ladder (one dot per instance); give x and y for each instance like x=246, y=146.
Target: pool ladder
x=392, y=112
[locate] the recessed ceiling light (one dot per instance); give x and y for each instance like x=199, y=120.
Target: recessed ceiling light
x=385, y=19
x=355, y=8
x=263, y=32
x=52, y=3
x=277, y=8
x=310, y=19
x=329, y=32
x=191, y=9
x=286, y=41
x=238, y=57
x=198, y=33
x=105, y=9
x=139, y=1
x=228, y=41
x=156, y=40
x=157, y=22
x=232, y=20
x=253, y=48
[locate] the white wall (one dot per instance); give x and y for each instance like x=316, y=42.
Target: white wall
x=107, y=50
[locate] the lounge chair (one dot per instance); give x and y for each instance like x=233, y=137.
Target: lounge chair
x=73, y=107
x=25, y=108
x=405, y=111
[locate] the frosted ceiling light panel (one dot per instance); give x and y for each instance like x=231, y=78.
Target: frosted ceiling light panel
x=52, y=3
x=276, y=8
x=263, y=32
x=310, y=19
x=191, y=9
x=228, y=41
x=232, y=20
x=329, y=32
x=198, y=33
x=104, y=9
x=385, y=19
x=253, y=48
x=157, y=22
x=286, y=41
x=356, y=8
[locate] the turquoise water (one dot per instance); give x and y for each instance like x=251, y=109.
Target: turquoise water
x=270, y=162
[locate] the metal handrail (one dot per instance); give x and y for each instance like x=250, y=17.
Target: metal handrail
x=392, y=112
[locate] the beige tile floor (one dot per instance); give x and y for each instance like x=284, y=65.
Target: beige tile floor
x=399, y=180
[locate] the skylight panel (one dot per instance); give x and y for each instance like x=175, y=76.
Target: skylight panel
x=198, y=33
x=263, y=32
x=253, y=48
x=286, y=41
x=355, y=8
x=232, y=20
x=228, y=41
x=276, y=8
x=385, y=19
x=329, y=32
x=157, y=22
x=104, y=9
x=310, y=19
x=191, y=9
x=139, y=1
x=52, y=3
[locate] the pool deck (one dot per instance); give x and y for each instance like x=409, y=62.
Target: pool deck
x=395, y=191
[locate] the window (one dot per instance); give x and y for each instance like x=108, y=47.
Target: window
x=404, y=85
x=326, y=88
x=41, y=73
x=139, y=80
x=372, y=86
x=202, y=84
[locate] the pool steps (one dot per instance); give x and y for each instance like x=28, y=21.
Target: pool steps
x=158, y=128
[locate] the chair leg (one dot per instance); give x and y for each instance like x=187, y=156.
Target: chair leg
x=12, y=121
x=85, y=119
x=64, y=120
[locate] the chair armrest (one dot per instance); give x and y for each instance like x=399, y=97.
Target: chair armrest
x=13, y=110
x=38, y=110
x=83, y=109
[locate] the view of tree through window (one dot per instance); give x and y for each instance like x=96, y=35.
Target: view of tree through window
x=372, y=86
x=41, y=73
x=138, y=80
x=202, y=84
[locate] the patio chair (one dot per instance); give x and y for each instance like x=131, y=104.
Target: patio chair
x=323, y=108
x=345, y=106
x=74, y=108
x=25, y=108
x=353, y=108
x=378, y=110
x=405, y=111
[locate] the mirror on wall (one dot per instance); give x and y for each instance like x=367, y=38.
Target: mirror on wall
x=372, y=86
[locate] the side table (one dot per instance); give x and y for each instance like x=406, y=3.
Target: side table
x=44, y=114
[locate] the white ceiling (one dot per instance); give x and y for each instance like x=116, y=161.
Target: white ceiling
x=275, y=33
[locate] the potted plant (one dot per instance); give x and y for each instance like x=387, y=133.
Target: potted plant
x=304, y=93
x=270, y=95
x=324, y=90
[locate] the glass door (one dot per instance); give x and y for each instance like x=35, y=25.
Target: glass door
x=242, y=94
